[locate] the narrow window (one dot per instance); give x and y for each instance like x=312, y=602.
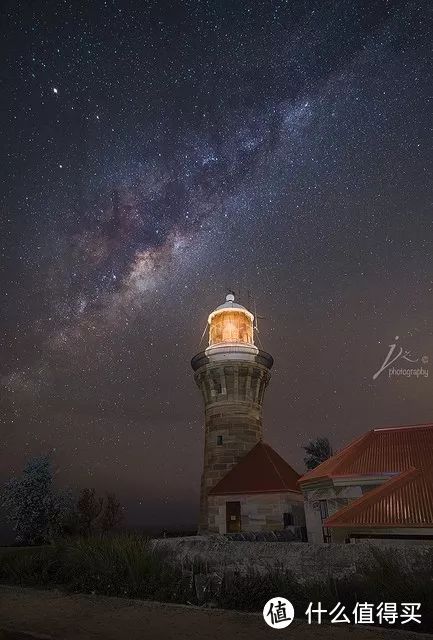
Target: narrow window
x=323, y=506
x=219, y=440
x=288, y=519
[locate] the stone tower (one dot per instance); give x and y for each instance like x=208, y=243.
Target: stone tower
x=232, y=374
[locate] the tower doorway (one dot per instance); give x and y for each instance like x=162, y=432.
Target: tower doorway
x=233, y=517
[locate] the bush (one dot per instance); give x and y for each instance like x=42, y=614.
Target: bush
x=121, y=565
x=117, y=566
x=384, y=580
x=32, y=567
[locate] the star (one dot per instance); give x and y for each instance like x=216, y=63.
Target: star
x=283, y=156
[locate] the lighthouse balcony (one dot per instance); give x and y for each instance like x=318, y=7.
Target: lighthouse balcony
x=233, y=351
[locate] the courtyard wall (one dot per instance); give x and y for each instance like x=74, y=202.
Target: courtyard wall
x=304, y=560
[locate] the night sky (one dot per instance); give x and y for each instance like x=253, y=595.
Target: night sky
x=155, y=155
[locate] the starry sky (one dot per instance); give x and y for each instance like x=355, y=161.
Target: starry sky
x=157, y=154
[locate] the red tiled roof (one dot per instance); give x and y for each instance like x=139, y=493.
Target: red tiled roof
x=404, y=501
x=262, y=470
x=380, y=451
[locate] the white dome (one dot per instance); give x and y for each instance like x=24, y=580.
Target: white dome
x=231, y=304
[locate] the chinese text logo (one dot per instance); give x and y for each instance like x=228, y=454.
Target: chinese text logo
x=366, y=613
x=278, y=613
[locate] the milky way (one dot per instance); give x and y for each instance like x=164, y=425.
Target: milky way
x=156, y=157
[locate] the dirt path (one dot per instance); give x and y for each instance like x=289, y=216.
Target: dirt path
x=51, y=614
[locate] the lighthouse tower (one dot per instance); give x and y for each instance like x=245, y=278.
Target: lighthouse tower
x=232, y=374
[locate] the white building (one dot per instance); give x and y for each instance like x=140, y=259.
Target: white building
x=379, y=487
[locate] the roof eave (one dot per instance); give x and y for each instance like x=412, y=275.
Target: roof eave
x=315, y=480
x=357, y=478
x=252, y=492
x=378, y=525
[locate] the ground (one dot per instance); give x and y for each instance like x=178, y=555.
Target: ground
x=26, y=614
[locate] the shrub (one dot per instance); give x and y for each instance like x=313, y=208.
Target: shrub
x=118, y=566
x=34, y=567
x=384, y=580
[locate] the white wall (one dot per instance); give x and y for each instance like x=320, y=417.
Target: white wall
x=336, y=498
x=259, y=512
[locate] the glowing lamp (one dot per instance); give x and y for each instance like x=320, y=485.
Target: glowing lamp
x=231, y=323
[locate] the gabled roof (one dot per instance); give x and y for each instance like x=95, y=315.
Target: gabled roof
x=380, y=451
x=262, y=470
x=404, y=501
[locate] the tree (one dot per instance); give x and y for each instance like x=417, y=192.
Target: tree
x=37, y=512
x=98, y=513
x=89, y=507
x=112, y=514
x=317, y=451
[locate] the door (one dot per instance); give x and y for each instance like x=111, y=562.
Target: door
x=233, y=517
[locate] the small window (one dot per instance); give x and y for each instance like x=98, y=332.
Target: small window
x=288, y=519
x=219, y=440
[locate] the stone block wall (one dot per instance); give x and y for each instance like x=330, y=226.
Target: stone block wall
x=233, y=394
x=306, y=561
x=259, y=512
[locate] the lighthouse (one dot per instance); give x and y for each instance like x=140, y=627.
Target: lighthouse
x=232, y=374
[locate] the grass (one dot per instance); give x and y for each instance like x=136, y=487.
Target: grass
x=122, y=566
x=127, y=566
x=382, y=581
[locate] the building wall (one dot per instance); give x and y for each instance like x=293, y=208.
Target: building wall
x=383, y=536
x=336, y=494
x=259, y=512
x=233, y=393
x=334, y=497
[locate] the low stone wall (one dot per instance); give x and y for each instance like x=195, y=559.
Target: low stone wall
x=305, y=561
